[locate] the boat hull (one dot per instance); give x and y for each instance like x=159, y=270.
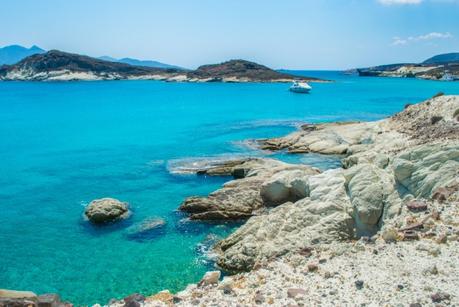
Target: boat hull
x=300, y=90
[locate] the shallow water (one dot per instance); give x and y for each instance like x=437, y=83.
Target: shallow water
x=64, y=144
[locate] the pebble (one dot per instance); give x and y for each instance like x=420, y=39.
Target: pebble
x=313, y=267
x=432, y=270
x=442, y=238
x=359, y=284
x=439, y=297
x=293, y=292
x=259, y=298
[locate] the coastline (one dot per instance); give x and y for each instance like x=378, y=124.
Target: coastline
x=417, y=226
x=390, y=141
x=66, y=76
x=56, y=65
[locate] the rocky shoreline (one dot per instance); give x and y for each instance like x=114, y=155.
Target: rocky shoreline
x=381, y=230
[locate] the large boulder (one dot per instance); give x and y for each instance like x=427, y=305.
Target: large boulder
x=106, y=210
x=372, y=191
x=288, y=185
x=236, y=200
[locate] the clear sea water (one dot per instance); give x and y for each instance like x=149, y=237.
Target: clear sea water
x=64, y=144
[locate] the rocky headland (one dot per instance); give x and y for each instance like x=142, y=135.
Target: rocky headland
x=56, y=65
x=382, y=230
x=440, y=67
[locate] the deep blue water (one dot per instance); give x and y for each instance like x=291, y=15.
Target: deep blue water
x=64, y=144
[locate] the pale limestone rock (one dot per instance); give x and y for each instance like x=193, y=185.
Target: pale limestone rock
x=241, y=198
x=425, y=168
x=13, y=294
x=287, y=228
x=210, y=278
x=288, y=185
x=330, y=138
x=372, y=191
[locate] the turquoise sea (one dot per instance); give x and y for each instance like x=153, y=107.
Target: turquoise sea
x=64, y=144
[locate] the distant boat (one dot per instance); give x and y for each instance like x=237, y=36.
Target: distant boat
x=300, y=87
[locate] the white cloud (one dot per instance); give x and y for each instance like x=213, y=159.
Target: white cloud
x=399, y=2
x=433, y=35
x=397, y=41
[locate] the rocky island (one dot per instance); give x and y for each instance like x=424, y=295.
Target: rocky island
x=440, y=67
x=56, y=65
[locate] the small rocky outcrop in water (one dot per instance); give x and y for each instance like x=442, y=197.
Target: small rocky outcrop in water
x=106, y=210
x=241, y=71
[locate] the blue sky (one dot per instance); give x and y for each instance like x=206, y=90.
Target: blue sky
x=308, y=34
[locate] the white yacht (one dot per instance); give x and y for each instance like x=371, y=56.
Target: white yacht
x=300, y=87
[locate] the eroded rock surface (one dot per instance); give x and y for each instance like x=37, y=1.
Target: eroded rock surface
x=241, y=198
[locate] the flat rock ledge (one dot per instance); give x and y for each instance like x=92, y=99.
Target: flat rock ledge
x=12, y=298
x=106, y=210
x=434, y=120
x=261, y=183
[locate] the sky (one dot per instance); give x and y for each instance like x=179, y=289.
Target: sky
x=292, y=34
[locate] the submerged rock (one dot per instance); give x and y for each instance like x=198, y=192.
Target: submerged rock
x=106, y=210
x=147, y=229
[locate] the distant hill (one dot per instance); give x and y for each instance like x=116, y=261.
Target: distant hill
x=443, y=58
x=14, y=53
x=242, y=70
x=56, y=65
x=135, y=62
x=440, y=67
